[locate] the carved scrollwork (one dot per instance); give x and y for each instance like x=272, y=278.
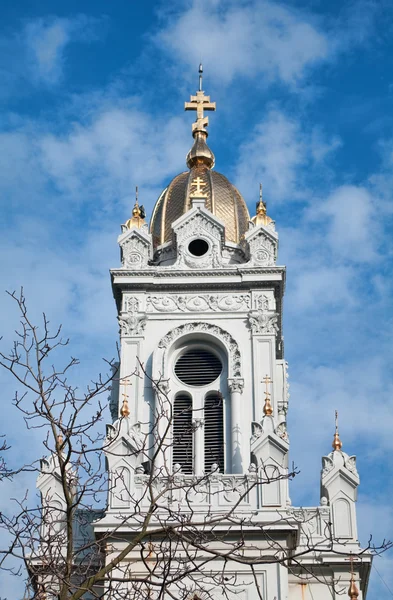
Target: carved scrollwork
x=215, y=330
x=131, y=324
x=199, y=303
x=260, y=322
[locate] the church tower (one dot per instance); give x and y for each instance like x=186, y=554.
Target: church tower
x=199, y=409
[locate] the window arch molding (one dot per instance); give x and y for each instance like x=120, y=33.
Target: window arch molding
x=197, y=331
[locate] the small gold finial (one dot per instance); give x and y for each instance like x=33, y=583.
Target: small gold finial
x=136, y=211
x=337, y=443
x=138, y=215
x=261, y=217
x=353, y=591
x=198, y=192
x=267, y=409
x=125, y=410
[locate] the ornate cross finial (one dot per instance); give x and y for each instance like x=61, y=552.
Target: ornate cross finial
x=198, y=192
x=125, y=410
x=267, y=409
x=353, y=591
x=337, y=443
x=260, y=192
x=200, y=102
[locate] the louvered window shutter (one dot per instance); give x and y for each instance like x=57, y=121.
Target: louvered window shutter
x=214, y=432
x=183, y=433
x=198, y=367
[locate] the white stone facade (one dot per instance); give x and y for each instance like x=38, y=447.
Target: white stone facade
x=228, y=300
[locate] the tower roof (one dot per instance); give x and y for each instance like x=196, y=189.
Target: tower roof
x=222, y=197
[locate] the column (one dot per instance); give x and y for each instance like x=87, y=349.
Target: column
x=236, y=387
x=162, y=434
x=198, y=447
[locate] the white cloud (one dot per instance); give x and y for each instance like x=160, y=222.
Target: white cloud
x=317, y=288
x=245, y=39
x=352, y=222
x=46, y=41
x=277, y=153
x=116, y=150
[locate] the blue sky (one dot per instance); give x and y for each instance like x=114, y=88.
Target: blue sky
x=91, y=102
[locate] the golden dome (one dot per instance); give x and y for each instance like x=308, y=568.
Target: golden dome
x=223, y=200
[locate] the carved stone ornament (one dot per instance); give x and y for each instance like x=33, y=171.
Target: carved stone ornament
x=336, y=459
x=234, y=352
x=282, y=431
x=199, y=224
x=131, y=324
x=263, y=247
x=263, y=323
x=199, y=303
x=135, y=251
x=130, y=320
x=263, y=303
x=236, y=385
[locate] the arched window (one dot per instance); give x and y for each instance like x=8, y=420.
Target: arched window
x=183, y=433
x=214, y=431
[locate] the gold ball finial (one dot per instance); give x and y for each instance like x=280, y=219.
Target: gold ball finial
x=125, y=409
x=353, y=591
x=337, y=443
x=267, y=409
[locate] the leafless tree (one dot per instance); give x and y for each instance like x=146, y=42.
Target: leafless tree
x=160, y=540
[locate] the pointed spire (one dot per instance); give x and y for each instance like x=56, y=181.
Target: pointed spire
x=200, y=153
x=337, y=443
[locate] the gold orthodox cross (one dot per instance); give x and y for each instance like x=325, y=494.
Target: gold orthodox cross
x=197, y=190
x=200, y=102
x=266, y=380
x=352, y=559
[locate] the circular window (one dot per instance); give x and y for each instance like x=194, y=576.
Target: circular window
x=198, y=367
x=198, y=247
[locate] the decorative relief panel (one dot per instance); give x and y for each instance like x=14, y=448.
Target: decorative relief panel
x=131, y=321
x=263, y=323
x=198, y=224
x=263, y=247
x=199, y=303
x=135, y=251
x=234, y=362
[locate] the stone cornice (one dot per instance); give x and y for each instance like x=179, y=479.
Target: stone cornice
x=179, y=273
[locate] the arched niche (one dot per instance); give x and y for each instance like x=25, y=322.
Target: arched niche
x=342, y=519
x=196, y=331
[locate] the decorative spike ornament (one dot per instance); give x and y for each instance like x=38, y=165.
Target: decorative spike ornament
x=337, y=443
x=138, y=215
